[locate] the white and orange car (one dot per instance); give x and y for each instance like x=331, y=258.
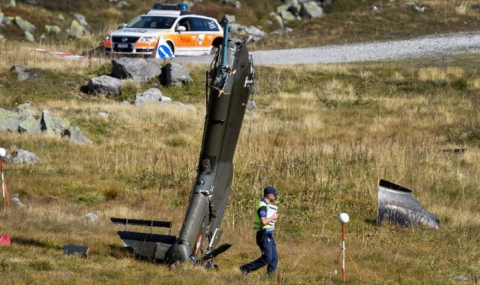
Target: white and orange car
x=186, y=34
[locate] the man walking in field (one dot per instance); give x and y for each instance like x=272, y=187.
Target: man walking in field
x=264, y=224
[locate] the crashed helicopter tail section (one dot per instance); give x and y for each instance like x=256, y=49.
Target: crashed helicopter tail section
x=231, y=78
x=229, y=82
x=397, y=205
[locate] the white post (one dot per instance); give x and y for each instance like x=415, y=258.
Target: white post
x=344, y=218
x=344, y=248
x=3, y=179
x=2, y=154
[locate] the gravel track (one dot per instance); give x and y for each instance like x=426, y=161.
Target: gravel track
x=461, y=43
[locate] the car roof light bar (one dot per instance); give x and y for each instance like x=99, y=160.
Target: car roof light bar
x=175, y=7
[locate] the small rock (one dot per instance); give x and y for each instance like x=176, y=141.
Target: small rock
x=91, y=217
x=17, y=203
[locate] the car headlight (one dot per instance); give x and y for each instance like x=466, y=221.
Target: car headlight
x=148, y=39
x=107, y=38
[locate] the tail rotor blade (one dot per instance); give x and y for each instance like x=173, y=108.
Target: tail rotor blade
x=221, y=249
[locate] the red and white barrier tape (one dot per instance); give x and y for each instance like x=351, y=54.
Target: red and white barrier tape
x=64, y=55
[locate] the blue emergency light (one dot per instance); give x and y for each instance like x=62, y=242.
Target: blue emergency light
x=172, y=7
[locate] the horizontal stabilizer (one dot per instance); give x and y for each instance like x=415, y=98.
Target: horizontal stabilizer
x=136, y=222
x=149, y=245
x=146, y=237
x=397, y=205
x=153, y=246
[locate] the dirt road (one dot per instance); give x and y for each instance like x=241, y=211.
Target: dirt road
x=410, y=48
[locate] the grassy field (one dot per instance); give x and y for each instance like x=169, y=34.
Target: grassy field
x=323, y=135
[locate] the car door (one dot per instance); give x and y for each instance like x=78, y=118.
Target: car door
x=205, y=29
x=186, y=40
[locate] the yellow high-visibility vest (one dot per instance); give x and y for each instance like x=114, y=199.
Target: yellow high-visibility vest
x=257, y=222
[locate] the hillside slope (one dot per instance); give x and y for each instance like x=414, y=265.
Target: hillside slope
x=344, y=21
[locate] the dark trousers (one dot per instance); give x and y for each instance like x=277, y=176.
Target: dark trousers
x=266, y=243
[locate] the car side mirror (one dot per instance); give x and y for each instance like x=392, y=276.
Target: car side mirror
x=181, y=29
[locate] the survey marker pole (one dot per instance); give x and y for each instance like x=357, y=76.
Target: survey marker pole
x=344, y=218
x=5, y=195
x=344, y=249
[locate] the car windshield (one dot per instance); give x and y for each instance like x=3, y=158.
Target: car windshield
x=152, y=22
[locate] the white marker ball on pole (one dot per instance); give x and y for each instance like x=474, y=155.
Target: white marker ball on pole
x=3, y=152
x=343, y=218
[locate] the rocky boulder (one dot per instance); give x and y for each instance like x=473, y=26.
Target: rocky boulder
x=22, y=120
x=140, y=70
x=176, y=75
x=152, y=95
x=24, y=72
x=105, y=84
x=20, y=156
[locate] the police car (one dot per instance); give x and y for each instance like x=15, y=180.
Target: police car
x=184, y=33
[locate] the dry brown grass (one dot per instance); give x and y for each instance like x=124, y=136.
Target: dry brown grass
x=24, y=54
x=323, y=135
